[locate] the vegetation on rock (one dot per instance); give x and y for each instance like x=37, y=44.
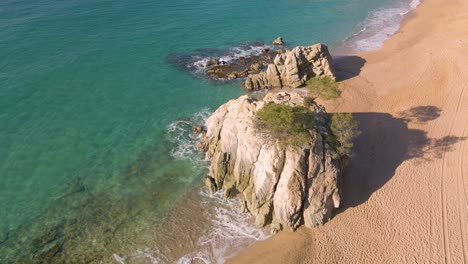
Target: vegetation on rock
x=324, y=87
x=344, y=128
x=287, y=124
x=309, y=101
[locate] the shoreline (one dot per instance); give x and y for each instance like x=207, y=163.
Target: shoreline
x=405, y=190
x=349, y=46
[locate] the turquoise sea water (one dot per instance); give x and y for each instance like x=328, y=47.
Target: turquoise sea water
x=88, y=96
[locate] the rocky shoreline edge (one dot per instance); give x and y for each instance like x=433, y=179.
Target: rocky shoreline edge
x=280, y=185
x=274, y=67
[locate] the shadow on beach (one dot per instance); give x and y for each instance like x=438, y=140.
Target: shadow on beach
x=347, y=67
x=385, y=143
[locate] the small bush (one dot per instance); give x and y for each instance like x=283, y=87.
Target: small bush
x=309, y=101
x=287, y=124
x=344, y=128
x=324, y=87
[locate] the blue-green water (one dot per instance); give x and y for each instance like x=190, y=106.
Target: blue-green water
x=87, y=94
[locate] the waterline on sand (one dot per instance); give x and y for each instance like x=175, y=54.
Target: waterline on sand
x=379, y=26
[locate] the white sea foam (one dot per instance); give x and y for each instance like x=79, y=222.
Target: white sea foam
x=231, y=231
x=379, y=26
x=234, y=53
x=180, y=133
x=415, y=3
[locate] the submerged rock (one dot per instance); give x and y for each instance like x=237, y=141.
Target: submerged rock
x=197, y=129
x=241, y=67
x=293, y=68
x=278, y=41
x=284, y=186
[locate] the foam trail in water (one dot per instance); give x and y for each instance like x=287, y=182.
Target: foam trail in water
x=231, y=231
x=198, y=62
x=180, y=133
x=228, y=56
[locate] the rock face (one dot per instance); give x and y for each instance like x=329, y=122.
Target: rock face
x=293, y=68
x=284, y=186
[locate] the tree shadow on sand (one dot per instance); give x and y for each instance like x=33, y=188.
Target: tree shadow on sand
x=385, y=143
x=347, y=67
x=421, y=114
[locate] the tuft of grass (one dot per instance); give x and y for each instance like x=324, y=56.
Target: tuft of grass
x=324, y=87
x=289, y=125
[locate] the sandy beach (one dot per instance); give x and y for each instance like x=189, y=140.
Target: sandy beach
x=405, y=192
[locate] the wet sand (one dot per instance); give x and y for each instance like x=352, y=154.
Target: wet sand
x=405, y=192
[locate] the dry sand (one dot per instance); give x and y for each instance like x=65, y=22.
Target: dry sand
x=405, y=192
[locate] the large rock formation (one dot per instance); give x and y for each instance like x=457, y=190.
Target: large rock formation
x=282, y=185
x=293, y=68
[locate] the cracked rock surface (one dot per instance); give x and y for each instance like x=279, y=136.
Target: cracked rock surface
x=284, y=186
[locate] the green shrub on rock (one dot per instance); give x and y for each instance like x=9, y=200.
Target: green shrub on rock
x=344, y=128
x=289, y=125
x=324, y=87
x=309, y=101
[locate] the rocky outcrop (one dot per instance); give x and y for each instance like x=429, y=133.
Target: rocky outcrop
x=284, y=186
x=241, y=67
x=278, y=41
x=293, y=68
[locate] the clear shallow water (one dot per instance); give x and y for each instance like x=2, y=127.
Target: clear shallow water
x=89, y=165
